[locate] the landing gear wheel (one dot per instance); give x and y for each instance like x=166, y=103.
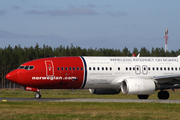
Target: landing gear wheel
x=143, y=96
x=163, y=95
x=37, y=95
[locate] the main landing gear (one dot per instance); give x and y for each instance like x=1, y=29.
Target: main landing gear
x=143, y=96
x=163, y=95
x=37, y=95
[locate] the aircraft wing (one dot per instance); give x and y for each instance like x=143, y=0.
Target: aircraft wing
x=172, y=79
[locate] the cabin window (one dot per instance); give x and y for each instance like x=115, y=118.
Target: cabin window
x=81, y=68
x=89, y=68
x=133, y=68
x=97, y=68
x=175, y=68
x=168, y=68
x=110, y=68
x=70, y=68
x=164, y=68
x=102, y=68
x=106, y=68
x=118, y=68
x=126, y=68
x=149, y=68
x=137, y=68
x=66, y=68
x=74, y=68
x=160, y=68
x=58, y=68
x=94, y=68
x=153, y=68
x=77, y=68
x=172, y=68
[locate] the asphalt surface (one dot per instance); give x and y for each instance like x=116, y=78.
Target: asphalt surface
x=89, y=100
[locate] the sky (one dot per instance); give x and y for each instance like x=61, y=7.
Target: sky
x=90, y=23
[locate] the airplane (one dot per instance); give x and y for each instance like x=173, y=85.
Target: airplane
x=140, y=76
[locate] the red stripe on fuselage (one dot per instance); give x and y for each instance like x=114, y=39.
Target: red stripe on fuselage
x=64, y=76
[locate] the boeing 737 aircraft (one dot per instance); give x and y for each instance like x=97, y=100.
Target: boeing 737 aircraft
x=140, y=76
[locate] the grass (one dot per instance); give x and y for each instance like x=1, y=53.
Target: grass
x=75, y=94
x=84, y=110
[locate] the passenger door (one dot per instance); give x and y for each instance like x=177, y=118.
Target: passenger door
x=49, y=68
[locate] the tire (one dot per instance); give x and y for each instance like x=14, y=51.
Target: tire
x=37, y=95
x=143, y=96
x=164, y=95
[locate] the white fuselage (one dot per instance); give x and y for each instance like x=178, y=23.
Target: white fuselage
x=109, y=72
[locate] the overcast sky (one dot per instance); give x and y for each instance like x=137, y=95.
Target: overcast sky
x=90, y=23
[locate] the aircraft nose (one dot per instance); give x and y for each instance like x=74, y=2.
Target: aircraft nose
x=12, y=76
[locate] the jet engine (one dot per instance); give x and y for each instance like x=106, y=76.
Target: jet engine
x=138, y=86
x=104, y=91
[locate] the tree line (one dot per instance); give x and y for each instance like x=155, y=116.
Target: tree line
x=11, y=58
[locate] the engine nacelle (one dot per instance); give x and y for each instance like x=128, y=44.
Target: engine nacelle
x=138, y=86
x=104, y=91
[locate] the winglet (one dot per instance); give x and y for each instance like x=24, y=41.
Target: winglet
x=138, y=55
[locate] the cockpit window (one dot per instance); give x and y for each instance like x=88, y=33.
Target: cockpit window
x=31, y=67
x=21, y=67
x=26, y=67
